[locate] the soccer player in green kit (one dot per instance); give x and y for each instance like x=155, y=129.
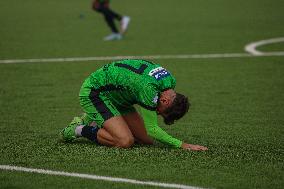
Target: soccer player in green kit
x=107, y=97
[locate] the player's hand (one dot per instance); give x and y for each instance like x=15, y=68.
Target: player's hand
x=193, y=147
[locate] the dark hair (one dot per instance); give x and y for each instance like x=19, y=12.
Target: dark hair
x=177, y=110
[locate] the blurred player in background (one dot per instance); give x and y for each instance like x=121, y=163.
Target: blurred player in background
x=102, y=6
x=107, y=97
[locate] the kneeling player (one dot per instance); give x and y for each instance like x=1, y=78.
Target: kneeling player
x=107, y=97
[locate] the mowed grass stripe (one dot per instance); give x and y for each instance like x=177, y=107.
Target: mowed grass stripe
x=96, y=177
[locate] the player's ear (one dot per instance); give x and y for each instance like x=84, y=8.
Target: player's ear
x=164, y=100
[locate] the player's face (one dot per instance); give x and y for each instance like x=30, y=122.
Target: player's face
x=165, y=101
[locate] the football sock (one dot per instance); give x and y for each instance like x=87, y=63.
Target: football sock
x=78, y=130
x=90, y=133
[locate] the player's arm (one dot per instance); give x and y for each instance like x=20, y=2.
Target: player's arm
x=151, y=125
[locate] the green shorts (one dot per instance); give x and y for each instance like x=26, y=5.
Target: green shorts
x=99, y=108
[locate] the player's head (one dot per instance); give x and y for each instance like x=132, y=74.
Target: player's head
x=172, y=106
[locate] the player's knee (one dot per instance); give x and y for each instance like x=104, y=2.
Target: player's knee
x=126, y=142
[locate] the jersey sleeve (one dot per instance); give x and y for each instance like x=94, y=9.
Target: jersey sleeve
x=151, y=125
x=164, y=78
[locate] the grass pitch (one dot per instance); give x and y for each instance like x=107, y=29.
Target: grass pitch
x=237, y=103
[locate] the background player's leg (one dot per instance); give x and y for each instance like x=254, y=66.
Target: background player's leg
x=109, y=18
x=115, y=132
x=136, y=125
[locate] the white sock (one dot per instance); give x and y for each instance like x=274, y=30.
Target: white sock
x=78, y=130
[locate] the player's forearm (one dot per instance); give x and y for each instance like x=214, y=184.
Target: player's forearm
x=151, y=124
x=163, y=137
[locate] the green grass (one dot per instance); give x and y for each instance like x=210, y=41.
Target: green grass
x=237, y=103
x=272, y=47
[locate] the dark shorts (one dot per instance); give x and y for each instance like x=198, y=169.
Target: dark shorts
x=97, y=5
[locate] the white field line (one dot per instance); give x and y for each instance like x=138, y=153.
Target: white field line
x=251, y=48
x=96, y=177
x=111, y=58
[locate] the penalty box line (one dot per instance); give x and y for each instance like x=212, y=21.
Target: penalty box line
x=96, y=177
x=153, y=57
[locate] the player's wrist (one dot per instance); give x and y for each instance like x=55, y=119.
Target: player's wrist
x=185, y=146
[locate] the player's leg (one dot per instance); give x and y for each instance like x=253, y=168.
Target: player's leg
x=136, y=125
x=102, y=7
x=109, y=16
x=105, y=138
x=115, y=132
x=115, y=35
x=111, y=129
x=119, y=131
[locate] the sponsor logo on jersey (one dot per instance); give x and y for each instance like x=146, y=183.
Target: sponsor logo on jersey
x=155, y=99
x=159, y=73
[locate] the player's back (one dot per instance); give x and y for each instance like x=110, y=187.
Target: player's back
x=129, y=82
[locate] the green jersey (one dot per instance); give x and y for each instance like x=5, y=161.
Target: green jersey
x=129, y=82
